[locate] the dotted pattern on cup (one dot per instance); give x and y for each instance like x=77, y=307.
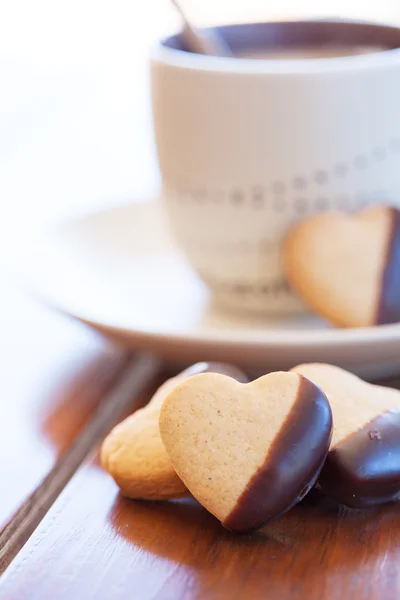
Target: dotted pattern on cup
x=276, y=195
x=303, y=194
x=302, y=205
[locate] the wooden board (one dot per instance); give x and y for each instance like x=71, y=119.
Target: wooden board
x=63, y=387
x=53, y=374
x=94, y=543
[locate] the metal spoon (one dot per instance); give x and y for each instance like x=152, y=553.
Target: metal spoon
x=198, y=41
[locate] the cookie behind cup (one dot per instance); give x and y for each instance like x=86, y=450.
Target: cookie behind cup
x=346, y=268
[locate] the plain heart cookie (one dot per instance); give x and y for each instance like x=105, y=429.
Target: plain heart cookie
x=247, y=452
x=133, y=453
x=363, y=465
x=347, y=267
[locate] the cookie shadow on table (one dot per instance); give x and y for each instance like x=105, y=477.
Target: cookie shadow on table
x=316, y=532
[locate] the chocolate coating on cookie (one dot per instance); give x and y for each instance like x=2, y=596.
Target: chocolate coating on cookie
x=292, y=465
x=364, y=469
x=389, y=302
x=215, y=367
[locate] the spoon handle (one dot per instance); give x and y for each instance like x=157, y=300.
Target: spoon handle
x=209, y=43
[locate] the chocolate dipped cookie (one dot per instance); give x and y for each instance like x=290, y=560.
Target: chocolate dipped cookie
x=363, y=464
x=346, y=268
x=247, y=452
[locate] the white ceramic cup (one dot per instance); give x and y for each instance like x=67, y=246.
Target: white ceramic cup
x=249, y=147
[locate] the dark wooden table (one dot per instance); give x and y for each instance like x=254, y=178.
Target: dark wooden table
x=67, y=533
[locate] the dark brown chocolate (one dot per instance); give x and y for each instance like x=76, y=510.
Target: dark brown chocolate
x=292, y=465
x=364, y=469
x=389, y=302
x=216, y=367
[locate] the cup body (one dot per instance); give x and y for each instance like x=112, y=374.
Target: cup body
x=247, y=148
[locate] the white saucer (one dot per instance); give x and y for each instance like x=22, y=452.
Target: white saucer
x=119, y=271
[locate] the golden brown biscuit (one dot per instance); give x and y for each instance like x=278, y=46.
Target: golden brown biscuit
x=133, y=452
x=247, y=452
x=363, y=464
x=135, y=457
x=347, y=267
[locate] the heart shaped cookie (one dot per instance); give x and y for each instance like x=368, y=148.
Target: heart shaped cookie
x=247, y=452
x=363, y=464
x=347, y=267
x=133, y=452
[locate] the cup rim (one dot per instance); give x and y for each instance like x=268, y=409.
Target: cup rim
x=165, y=53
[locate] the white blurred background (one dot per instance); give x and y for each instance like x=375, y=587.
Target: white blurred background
x=74, y=105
